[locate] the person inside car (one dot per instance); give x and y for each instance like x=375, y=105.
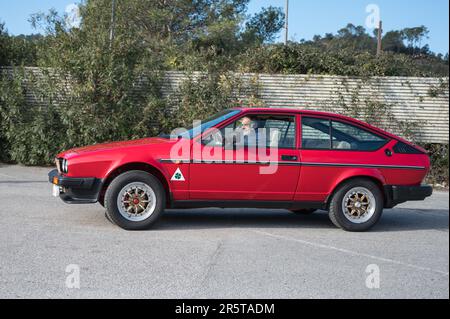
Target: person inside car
x=246, y=127
x=245, y=132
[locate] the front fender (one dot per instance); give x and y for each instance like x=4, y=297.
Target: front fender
x=145, y=160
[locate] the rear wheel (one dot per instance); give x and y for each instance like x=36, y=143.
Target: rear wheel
x=135, y=200
x=357, y=205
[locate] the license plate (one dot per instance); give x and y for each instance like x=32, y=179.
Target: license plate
x=55, y=190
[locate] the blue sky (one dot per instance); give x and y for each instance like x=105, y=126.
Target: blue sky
x=307, y=17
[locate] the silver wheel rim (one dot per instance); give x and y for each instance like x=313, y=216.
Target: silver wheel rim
x=136, y=201
x=358, y=205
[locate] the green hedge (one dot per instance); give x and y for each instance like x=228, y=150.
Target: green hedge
x=33, y=133
x=439, y=164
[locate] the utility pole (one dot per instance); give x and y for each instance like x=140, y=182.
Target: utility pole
x=380, y=33
x=286, y=23
x=113, y=21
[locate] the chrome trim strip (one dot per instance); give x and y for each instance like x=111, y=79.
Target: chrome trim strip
x=229, y=162
x=363, y=165
x=175, y=161
x=291, y=163
x=246, y=162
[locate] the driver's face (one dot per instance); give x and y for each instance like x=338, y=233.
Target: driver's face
x=246, y=124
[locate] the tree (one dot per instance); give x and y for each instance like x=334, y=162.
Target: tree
x=351, y=38
x=18, y=50
x=4, y=45
x=264, y=26
x=393, y=41
x=150, y=36
x=414, y=37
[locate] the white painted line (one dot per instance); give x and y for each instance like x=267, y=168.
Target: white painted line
x=350, y=252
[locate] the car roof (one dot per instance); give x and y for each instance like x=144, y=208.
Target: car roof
x=283, y=110
x=297, y=111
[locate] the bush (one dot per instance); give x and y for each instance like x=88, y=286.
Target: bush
x=300, y=58
x=28, y=132
x=439, y=164
x=205, y=94
x=33, y=134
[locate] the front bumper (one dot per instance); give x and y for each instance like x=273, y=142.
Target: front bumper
x=399, y=194
x=76, y=190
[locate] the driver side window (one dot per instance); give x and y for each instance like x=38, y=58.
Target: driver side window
x=262, y=130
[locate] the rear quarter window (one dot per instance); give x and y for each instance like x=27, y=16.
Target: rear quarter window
x=351, y=137
x=320, y=133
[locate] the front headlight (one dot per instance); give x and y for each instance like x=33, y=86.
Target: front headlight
x=65, y=166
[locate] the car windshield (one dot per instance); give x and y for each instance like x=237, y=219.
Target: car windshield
x=206, y=124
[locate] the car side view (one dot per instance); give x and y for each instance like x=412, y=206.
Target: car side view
x=249, y=158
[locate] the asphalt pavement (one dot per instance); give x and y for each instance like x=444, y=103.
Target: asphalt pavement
x=49, y=249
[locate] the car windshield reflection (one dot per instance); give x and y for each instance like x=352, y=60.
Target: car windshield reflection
x=193, y=131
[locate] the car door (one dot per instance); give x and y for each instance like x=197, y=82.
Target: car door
x=223, y=172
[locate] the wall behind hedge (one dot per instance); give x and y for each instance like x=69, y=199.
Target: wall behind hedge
x=422, y=101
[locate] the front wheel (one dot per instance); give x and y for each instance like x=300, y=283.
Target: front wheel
x=135, y=200
x=356, y=205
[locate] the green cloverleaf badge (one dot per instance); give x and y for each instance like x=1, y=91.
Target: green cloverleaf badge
x=178, y=176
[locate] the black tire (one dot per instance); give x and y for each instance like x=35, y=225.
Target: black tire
x=108, y=218
x=112, y=193
x=303, y=211
x=337, y=215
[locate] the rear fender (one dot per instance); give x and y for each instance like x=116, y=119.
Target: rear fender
x=371, y=173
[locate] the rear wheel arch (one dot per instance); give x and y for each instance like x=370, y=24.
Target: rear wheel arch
x=135, y=166
x=371, y=178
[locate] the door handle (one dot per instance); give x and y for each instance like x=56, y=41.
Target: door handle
x=289, y=157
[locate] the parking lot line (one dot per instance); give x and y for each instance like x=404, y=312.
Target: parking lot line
x=350, y=252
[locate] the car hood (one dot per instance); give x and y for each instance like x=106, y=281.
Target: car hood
x=117, y=145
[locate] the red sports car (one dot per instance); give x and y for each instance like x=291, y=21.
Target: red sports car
x=249, y=157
